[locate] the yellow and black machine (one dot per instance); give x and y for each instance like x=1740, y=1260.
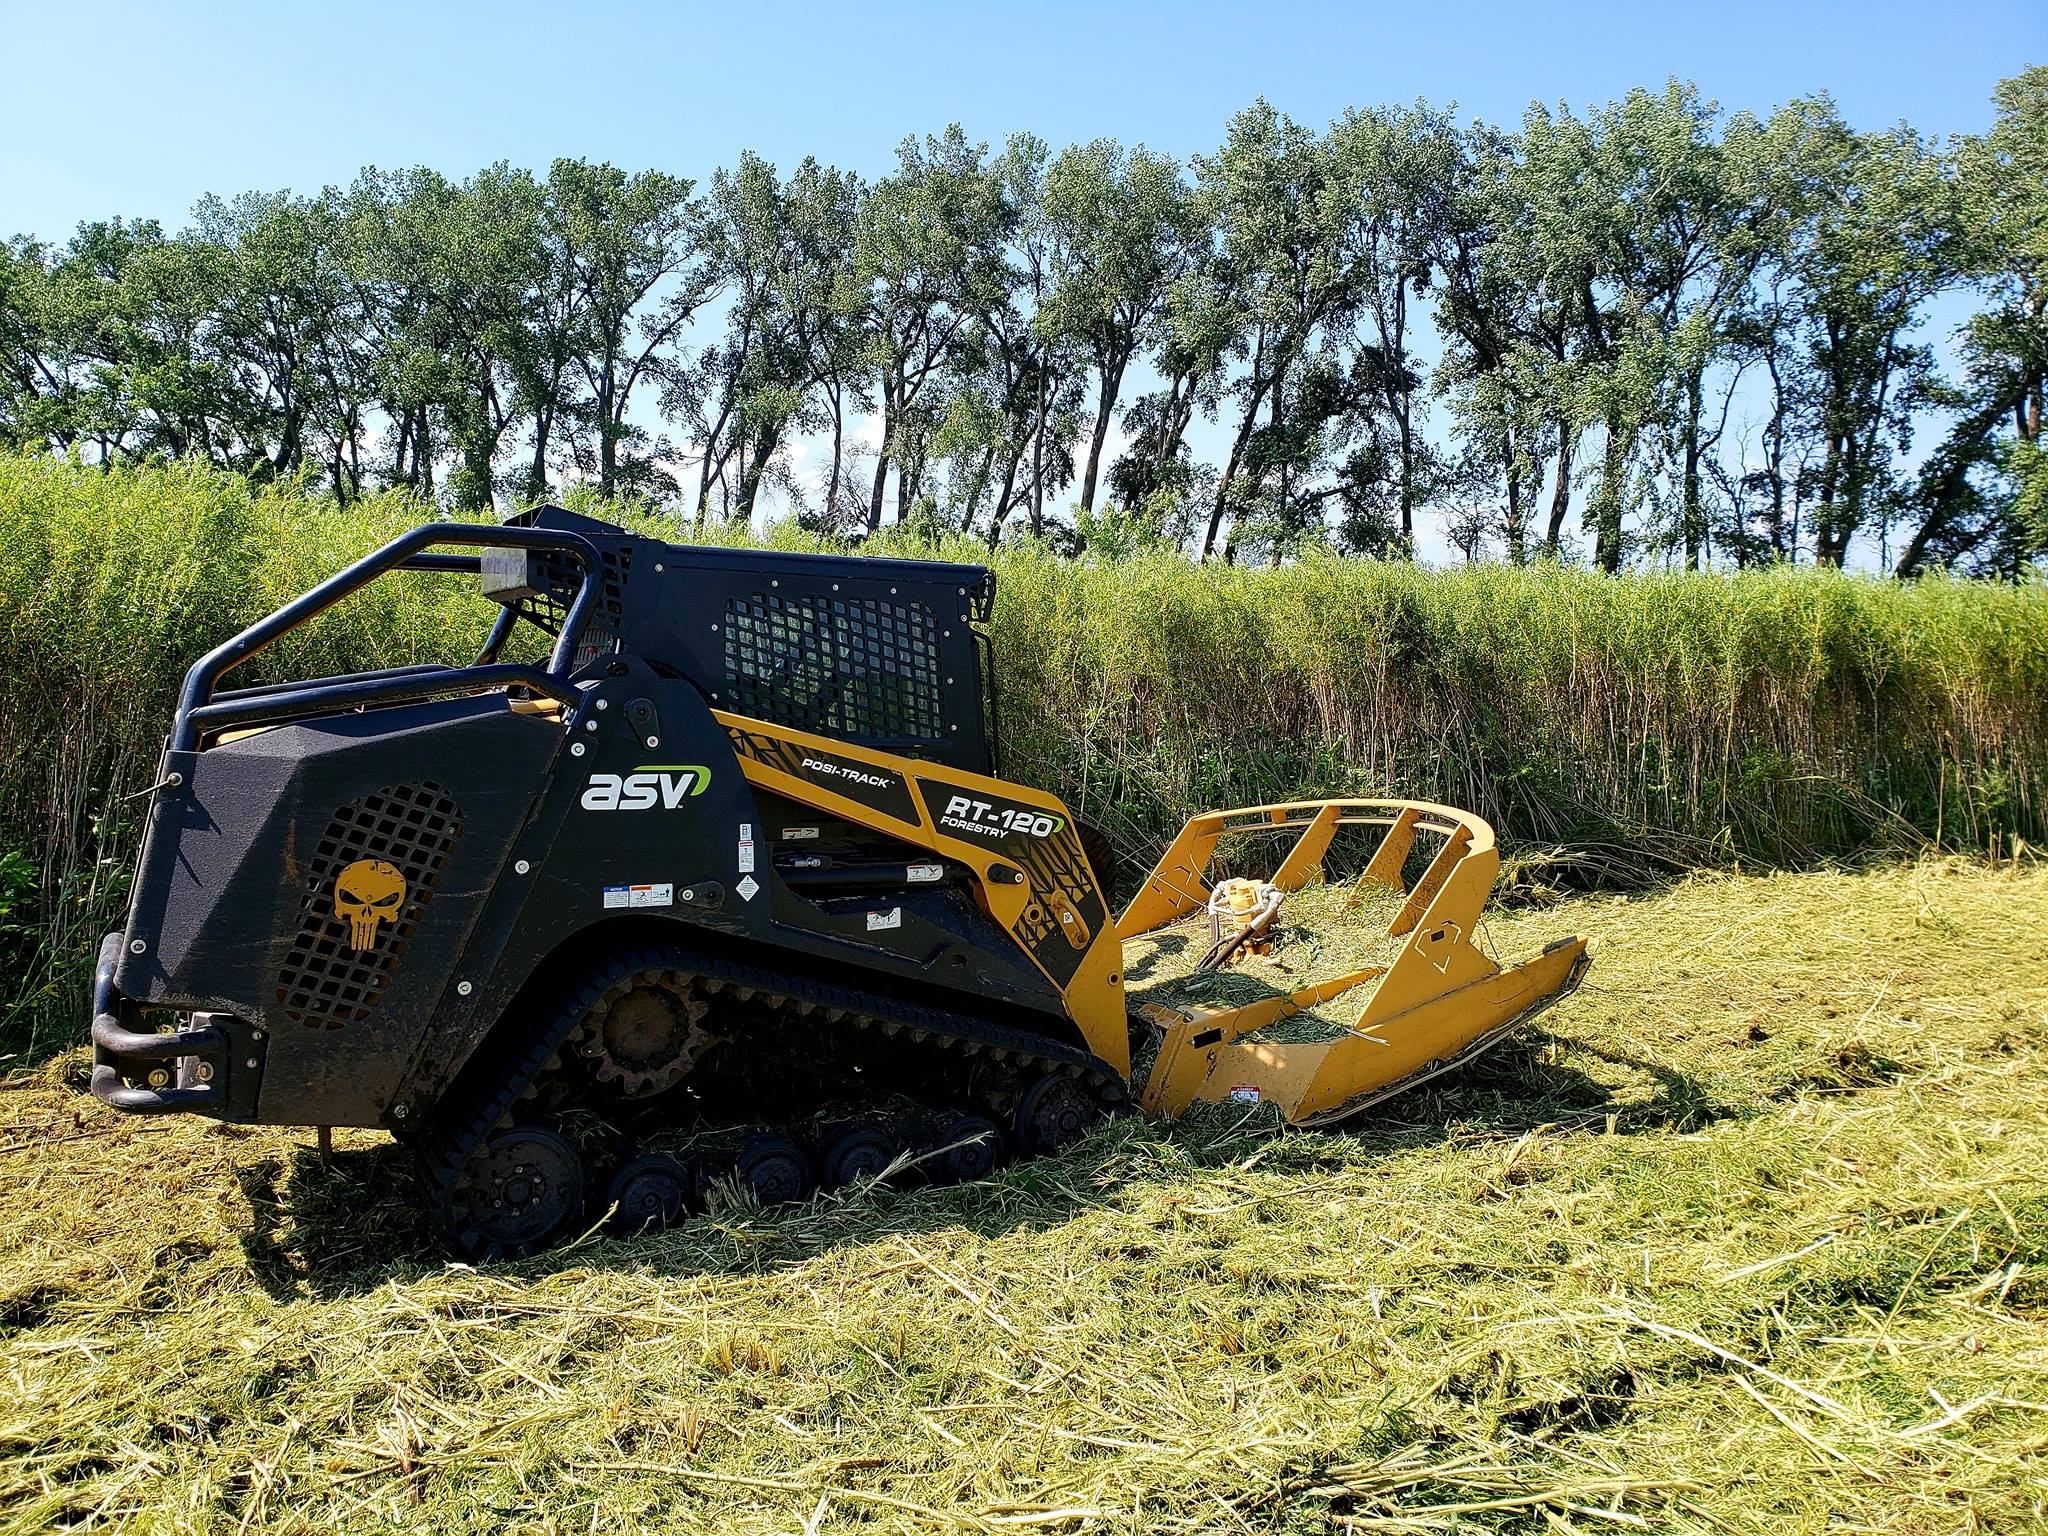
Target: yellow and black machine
x=724, y=886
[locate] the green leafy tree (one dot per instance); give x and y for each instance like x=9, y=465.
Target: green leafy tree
x=1984, y=492
x=929, y=243
x=285, y=326
x=828, y=304
x=1124, y=229
x=1198, y=332
x=1013, y=387
x=1497, y=339
x=1879, y=245
x=448, y=270
x=750, y=385
x=1398, y=169
x=636, y=267
x=1282, y=213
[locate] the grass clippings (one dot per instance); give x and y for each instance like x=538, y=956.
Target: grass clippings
x=1749, y=1234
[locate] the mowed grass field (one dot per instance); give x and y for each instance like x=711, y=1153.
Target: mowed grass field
x=1748, y=1234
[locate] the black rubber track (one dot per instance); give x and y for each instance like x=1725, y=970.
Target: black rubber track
x=477, y=1107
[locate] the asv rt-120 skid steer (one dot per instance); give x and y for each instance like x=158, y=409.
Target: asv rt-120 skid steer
x=727, y=887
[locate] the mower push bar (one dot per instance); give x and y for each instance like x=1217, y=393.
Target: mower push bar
x=120, y=1048
x=201, y=709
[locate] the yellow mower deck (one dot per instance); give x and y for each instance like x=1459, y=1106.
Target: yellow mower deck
x=1438, y=1003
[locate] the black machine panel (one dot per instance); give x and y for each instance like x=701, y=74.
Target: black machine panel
x=377, y=862
x=880, y=652
x=319, y=881
x=706, y=858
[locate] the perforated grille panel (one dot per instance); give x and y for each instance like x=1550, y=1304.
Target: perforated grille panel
x=563, y=574
x=325, y=982
x=854, y=667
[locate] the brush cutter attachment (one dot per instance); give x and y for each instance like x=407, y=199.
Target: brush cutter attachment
x=1435, y=1004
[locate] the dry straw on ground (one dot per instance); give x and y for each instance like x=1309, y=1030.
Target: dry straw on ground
x=1750, y=1234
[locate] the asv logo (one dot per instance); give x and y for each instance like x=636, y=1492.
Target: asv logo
x=651, y=785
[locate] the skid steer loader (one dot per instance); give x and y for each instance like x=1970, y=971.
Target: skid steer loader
x=726, y=887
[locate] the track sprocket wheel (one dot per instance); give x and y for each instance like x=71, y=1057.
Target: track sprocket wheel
x=519, y=1192
x=644, y=1032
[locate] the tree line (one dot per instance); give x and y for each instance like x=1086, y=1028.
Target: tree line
x=1652, y=332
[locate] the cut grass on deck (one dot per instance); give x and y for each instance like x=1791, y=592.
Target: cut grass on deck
x=1750, y=1234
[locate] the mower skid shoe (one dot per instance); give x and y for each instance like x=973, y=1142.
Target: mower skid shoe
x=1438, y=1003
x=1205, y=1059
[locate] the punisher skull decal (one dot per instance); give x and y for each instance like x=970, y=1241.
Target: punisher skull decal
x=368, y=895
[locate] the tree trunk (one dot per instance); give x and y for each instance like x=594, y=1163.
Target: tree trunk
x=1518, y=553
x=1945, y=490
x=1827, y=546
x=1105, y=407
x=1276, y=400
x=1403, y=412
x=711, y=453
x=287, y=458
x=1038, y=461
x=402, y=433
x=1690, y=513
x=1223, y=486
x=1259, y=384
x=1561, y=492
x=882, y=457
x=1012, y=462
x=537, y=472
x=1407, y=474
x=1606, y=508
x=766, y=440
x=976, y=486
x=832, y=478
x=875, y=494
x=607, y=444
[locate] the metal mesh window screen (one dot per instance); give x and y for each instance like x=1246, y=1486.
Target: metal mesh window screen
x=551, y=607
x=858, y=667
x=413, y=827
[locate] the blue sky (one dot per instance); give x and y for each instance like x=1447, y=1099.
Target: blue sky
x=140, y=109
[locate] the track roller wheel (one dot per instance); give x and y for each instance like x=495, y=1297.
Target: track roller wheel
x=857, y=1152
x=650, y=1192
x=1054, y=1112
x=774, y=1168
x=967, y=1147
x=520, y=1192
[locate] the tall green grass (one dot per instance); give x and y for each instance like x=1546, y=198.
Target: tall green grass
x=1772, y=716
x=1604, y=724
